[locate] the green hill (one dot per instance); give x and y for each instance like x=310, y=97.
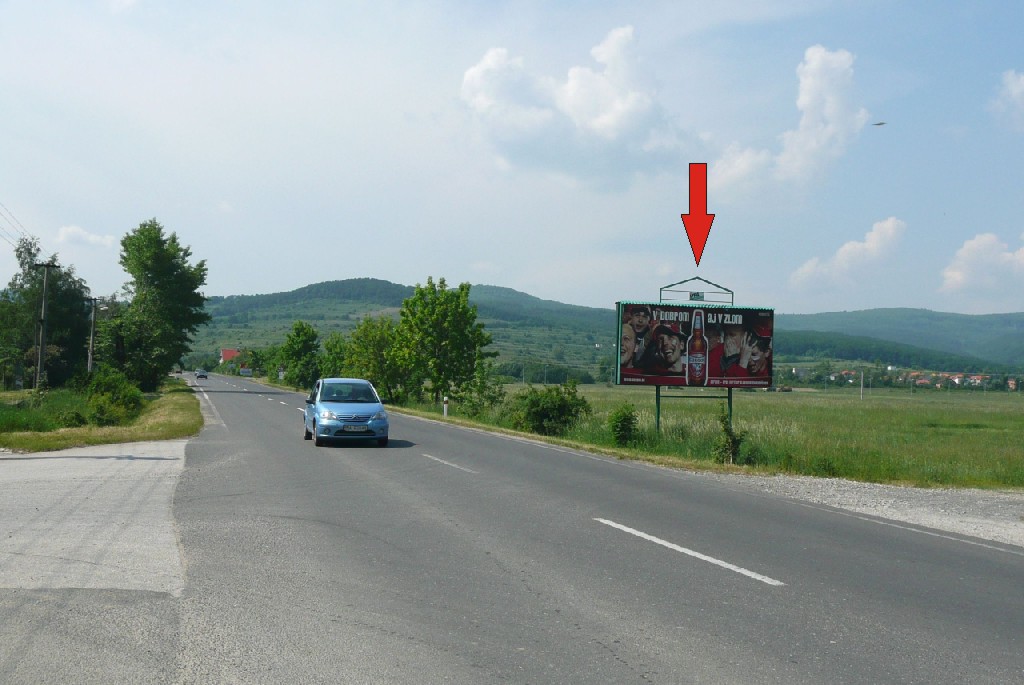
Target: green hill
x=545, y=332
x=993, y=337
x=801, y=346
x=523, y=327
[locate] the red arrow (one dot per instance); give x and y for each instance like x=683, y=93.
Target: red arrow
x=698, y=221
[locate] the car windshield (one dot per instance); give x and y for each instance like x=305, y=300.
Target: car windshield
x=346, y=392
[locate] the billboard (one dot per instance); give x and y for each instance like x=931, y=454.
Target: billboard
x=694, y=345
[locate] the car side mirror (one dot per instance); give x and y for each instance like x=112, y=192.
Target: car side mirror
x=309, y=401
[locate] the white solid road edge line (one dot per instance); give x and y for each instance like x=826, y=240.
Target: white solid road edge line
x=690, y=552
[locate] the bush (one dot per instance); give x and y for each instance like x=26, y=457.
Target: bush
x=71, y=419
x=752, y=455
x=824, y=467
x=727, y=446
x=551, y=411
x=103, y=411
x=623, y=422
x=113, y=399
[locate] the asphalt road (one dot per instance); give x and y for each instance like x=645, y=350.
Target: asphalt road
x=248, y=555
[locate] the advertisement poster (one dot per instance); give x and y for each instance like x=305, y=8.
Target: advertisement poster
x=695, y=345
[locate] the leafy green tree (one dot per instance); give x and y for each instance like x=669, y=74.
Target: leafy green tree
x=333, y=358
x=300, y=355
x=485, y=391
x=822, y=372
x=166, y=306
x=67, y=317
x=257, y=361
x=440, y=342
x=372, y=355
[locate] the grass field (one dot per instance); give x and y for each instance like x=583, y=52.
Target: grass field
x=924, y=439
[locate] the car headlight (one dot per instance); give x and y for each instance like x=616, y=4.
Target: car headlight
x=327, y=414
x=380, y=416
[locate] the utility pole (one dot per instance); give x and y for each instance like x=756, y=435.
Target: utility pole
x=92, y=333
x=40, y=371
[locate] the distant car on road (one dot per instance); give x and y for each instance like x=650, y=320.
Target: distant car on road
x=200, y=373
x=344, y=409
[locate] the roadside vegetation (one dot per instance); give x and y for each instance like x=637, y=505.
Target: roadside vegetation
x=70, y=377
x=39, y=422
x=891, y=436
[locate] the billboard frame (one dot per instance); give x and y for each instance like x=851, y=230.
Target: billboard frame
x=698, y=295
x=720, y=298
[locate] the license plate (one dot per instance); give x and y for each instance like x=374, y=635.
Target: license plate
x=354, y=429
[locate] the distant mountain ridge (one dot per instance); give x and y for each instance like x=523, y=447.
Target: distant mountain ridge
x=523, y=325
x=995, y=337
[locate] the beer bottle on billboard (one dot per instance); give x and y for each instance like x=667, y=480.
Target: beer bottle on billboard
x=697, y=352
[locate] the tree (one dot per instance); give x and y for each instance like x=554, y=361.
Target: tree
x=300, y=355
x=372, y=355
x=166, y=306
x=333, y=357
x=439, y=341
x=67, y=317
x=485, y=391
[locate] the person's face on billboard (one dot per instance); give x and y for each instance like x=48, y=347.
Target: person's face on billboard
x=732, y=338
x=671, y=347
x=640, y=321
x=627, y=346
x=760, y=353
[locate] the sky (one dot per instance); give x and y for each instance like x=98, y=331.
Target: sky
x=539, y=146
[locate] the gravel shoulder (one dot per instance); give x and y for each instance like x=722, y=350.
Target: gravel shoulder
x=996, y=515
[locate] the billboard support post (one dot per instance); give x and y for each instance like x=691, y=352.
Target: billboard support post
x=657, y=409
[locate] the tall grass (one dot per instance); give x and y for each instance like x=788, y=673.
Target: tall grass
x=891, y=436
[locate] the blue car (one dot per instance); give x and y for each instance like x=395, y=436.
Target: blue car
x=344, y=409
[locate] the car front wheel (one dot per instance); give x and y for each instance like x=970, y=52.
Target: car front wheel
x=382, y=442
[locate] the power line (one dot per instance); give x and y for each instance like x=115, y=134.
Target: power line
x=13, y=220
x=13, y=237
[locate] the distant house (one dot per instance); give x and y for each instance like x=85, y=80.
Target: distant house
x=227, y=354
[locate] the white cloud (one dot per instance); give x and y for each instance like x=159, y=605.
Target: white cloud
x=984, y=263
x=75, y=235
x=509, y=100
x=606, y=103
x=598, y=124
x=1009, y=103
x=737, y=164
x=828, y=121
x=605, y=123
x=877, y=244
